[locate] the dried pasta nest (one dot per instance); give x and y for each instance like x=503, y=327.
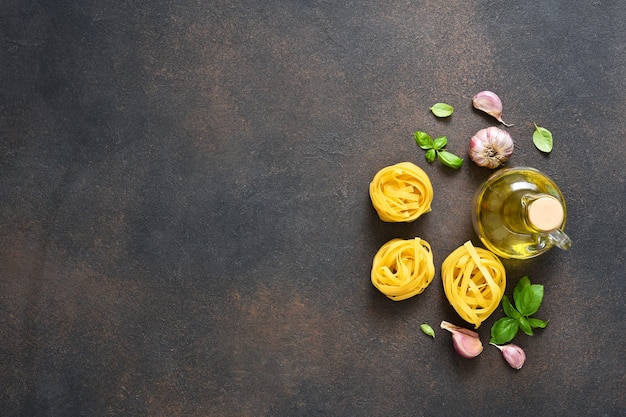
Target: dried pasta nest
x=403, y=268
x=474, y=280
x=401, y=192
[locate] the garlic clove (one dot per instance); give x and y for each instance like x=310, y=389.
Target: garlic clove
x=466, y=342
x=490, y=103
x=513, y=354
x=491, y=147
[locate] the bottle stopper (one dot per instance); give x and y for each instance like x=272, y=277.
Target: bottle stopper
x=546, y=213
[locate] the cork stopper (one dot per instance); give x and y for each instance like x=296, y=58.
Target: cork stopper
x=545, y=213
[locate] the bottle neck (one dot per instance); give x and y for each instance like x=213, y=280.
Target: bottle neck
x=544, y=212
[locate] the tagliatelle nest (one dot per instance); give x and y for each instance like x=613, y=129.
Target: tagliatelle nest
x=474, y=280
x=401, y=192
x=403, y=268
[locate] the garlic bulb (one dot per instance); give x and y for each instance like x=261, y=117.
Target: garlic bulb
x=490, y=103
x=466, y=342
x=491, y=147
x=513, y=354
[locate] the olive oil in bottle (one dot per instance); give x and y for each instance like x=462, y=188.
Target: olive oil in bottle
x=520, y=213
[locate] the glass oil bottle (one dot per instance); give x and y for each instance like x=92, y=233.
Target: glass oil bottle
x=520, y=213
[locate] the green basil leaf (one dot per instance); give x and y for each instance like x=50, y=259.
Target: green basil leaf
x=530, y=300
x=427, y=330
x=504, y=330
x=509, y=310
x=517, y=292
x=542, y=138
x=525, y=326
x=440, y=143
x=430, y=155
x=423, y=140
x=442, y=109
x=449, y=159
x=536, y=323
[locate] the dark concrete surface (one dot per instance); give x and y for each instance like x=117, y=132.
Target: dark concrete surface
x=185, y=226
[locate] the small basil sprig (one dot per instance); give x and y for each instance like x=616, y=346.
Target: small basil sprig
x=435, y=148
x=527, y=298
x=542, y=138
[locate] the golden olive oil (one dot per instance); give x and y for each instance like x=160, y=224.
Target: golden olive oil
x=500, y=213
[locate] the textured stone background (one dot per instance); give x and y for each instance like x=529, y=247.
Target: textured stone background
x=185, y=226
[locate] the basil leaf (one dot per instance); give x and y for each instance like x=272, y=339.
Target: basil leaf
x=440, y=143
x=509, y=310
x=430, y=155
x=504, y=330
x=427, y=330
x=517, y=292
x=449, y=159
x=542, y=138
x=423, y=140
x=536, y=323
x=536, y=299
x=530, y=300
x=442, y=109
x=525, y=326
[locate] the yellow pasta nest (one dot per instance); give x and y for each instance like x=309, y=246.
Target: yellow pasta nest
x=474, y=280
x=403, y=268
x=401, y=192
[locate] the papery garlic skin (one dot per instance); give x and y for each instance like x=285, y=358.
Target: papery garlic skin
x=491, y=147
x=513, y=354
x=490, y=103
x=466, y=342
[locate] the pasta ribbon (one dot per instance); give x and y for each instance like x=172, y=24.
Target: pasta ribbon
x=403, y=268
x=474, y=280
x=401, y=192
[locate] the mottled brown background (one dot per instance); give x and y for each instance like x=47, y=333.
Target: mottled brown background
x=185, y=227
